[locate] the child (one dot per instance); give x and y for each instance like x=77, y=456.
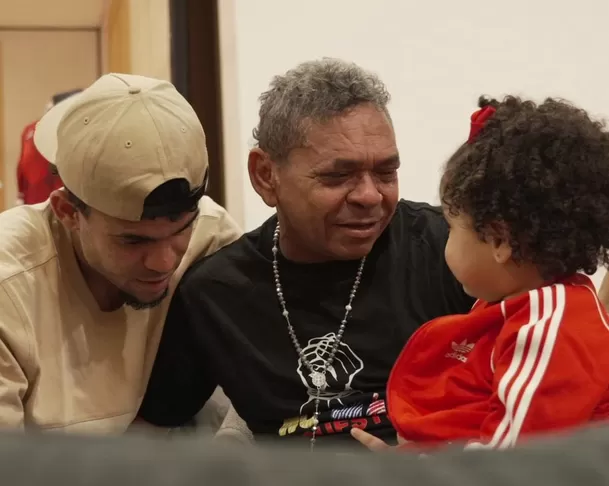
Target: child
x=527, y=203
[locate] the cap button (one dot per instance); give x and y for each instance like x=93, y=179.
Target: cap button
x=134, y=89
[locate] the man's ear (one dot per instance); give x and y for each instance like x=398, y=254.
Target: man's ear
x=64, y=210
x=261, y=170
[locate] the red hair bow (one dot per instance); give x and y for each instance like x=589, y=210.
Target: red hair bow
x=479, y=119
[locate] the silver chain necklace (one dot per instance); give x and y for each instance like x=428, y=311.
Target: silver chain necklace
x=318, y=377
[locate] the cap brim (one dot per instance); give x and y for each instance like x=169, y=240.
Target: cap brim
x=45, y=134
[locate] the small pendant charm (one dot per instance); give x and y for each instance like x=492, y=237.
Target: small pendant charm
x=319, y=380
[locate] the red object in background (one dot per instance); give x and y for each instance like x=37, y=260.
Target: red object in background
x=34, y=177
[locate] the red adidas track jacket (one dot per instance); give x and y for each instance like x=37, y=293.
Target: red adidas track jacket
x=537, y=362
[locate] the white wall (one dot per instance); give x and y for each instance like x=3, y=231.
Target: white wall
x=435, y=56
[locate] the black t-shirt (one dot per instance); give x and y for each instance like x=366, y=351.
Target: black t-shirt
x=225, y=327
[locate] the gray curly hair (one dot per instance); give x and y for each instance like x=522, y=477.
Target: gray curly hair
x=313, y=91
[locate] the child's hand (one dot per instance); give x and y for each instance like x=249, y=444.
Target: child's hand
x=370, y=441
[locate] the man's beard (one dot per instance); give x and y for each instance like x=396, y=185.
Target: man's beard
x=136, y=304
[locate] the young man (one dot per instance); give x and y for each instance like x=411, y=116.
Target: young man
x=85, y=278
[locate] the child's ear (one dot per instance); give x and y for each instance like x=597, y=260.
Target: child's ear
x=499, y=240
x=502, y=251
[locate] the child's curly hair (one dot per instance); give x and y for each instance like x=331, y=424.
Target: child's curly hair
x=540, y=172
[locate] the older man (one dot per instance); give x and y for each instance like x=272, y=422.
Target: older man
x=301, y=320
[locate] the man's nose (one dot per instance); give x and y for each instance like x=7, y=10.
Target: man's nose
x=161, y=258
x=366, y=192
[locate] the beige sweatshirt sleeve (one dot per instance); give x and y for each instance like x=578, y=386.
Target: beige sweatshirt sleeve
x=13, y=381
x=215, y=229
x=227, y=231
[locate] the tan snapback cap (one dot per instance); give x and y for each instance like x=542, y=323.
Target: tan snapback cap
x=120, y=139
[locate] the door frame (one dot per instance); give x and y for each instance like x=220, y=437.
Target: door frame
x=195, y=70
x=2, y=147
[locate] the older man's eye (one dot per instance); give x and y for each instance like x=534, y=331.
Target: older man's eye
x=388, y=174
x=336, y=175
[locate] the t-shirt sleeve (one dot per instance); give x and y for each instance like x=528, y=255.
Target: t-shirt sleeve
x=181, y=381
x=13, y=381
x=546, y=375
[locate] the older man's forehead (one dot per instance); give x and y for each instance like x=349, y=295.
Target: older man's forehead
x=378, y=161
x=356, y=134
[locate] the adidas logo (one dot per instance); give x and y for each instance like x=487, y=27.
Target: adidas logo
x=460, y=350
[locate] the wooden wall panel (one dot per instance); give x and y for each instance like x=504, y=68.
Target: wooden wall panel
x=118, y=37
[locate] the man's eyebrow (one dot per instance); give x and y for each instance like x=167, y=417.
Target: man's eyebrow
x=394, y=160
x=143, y=238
